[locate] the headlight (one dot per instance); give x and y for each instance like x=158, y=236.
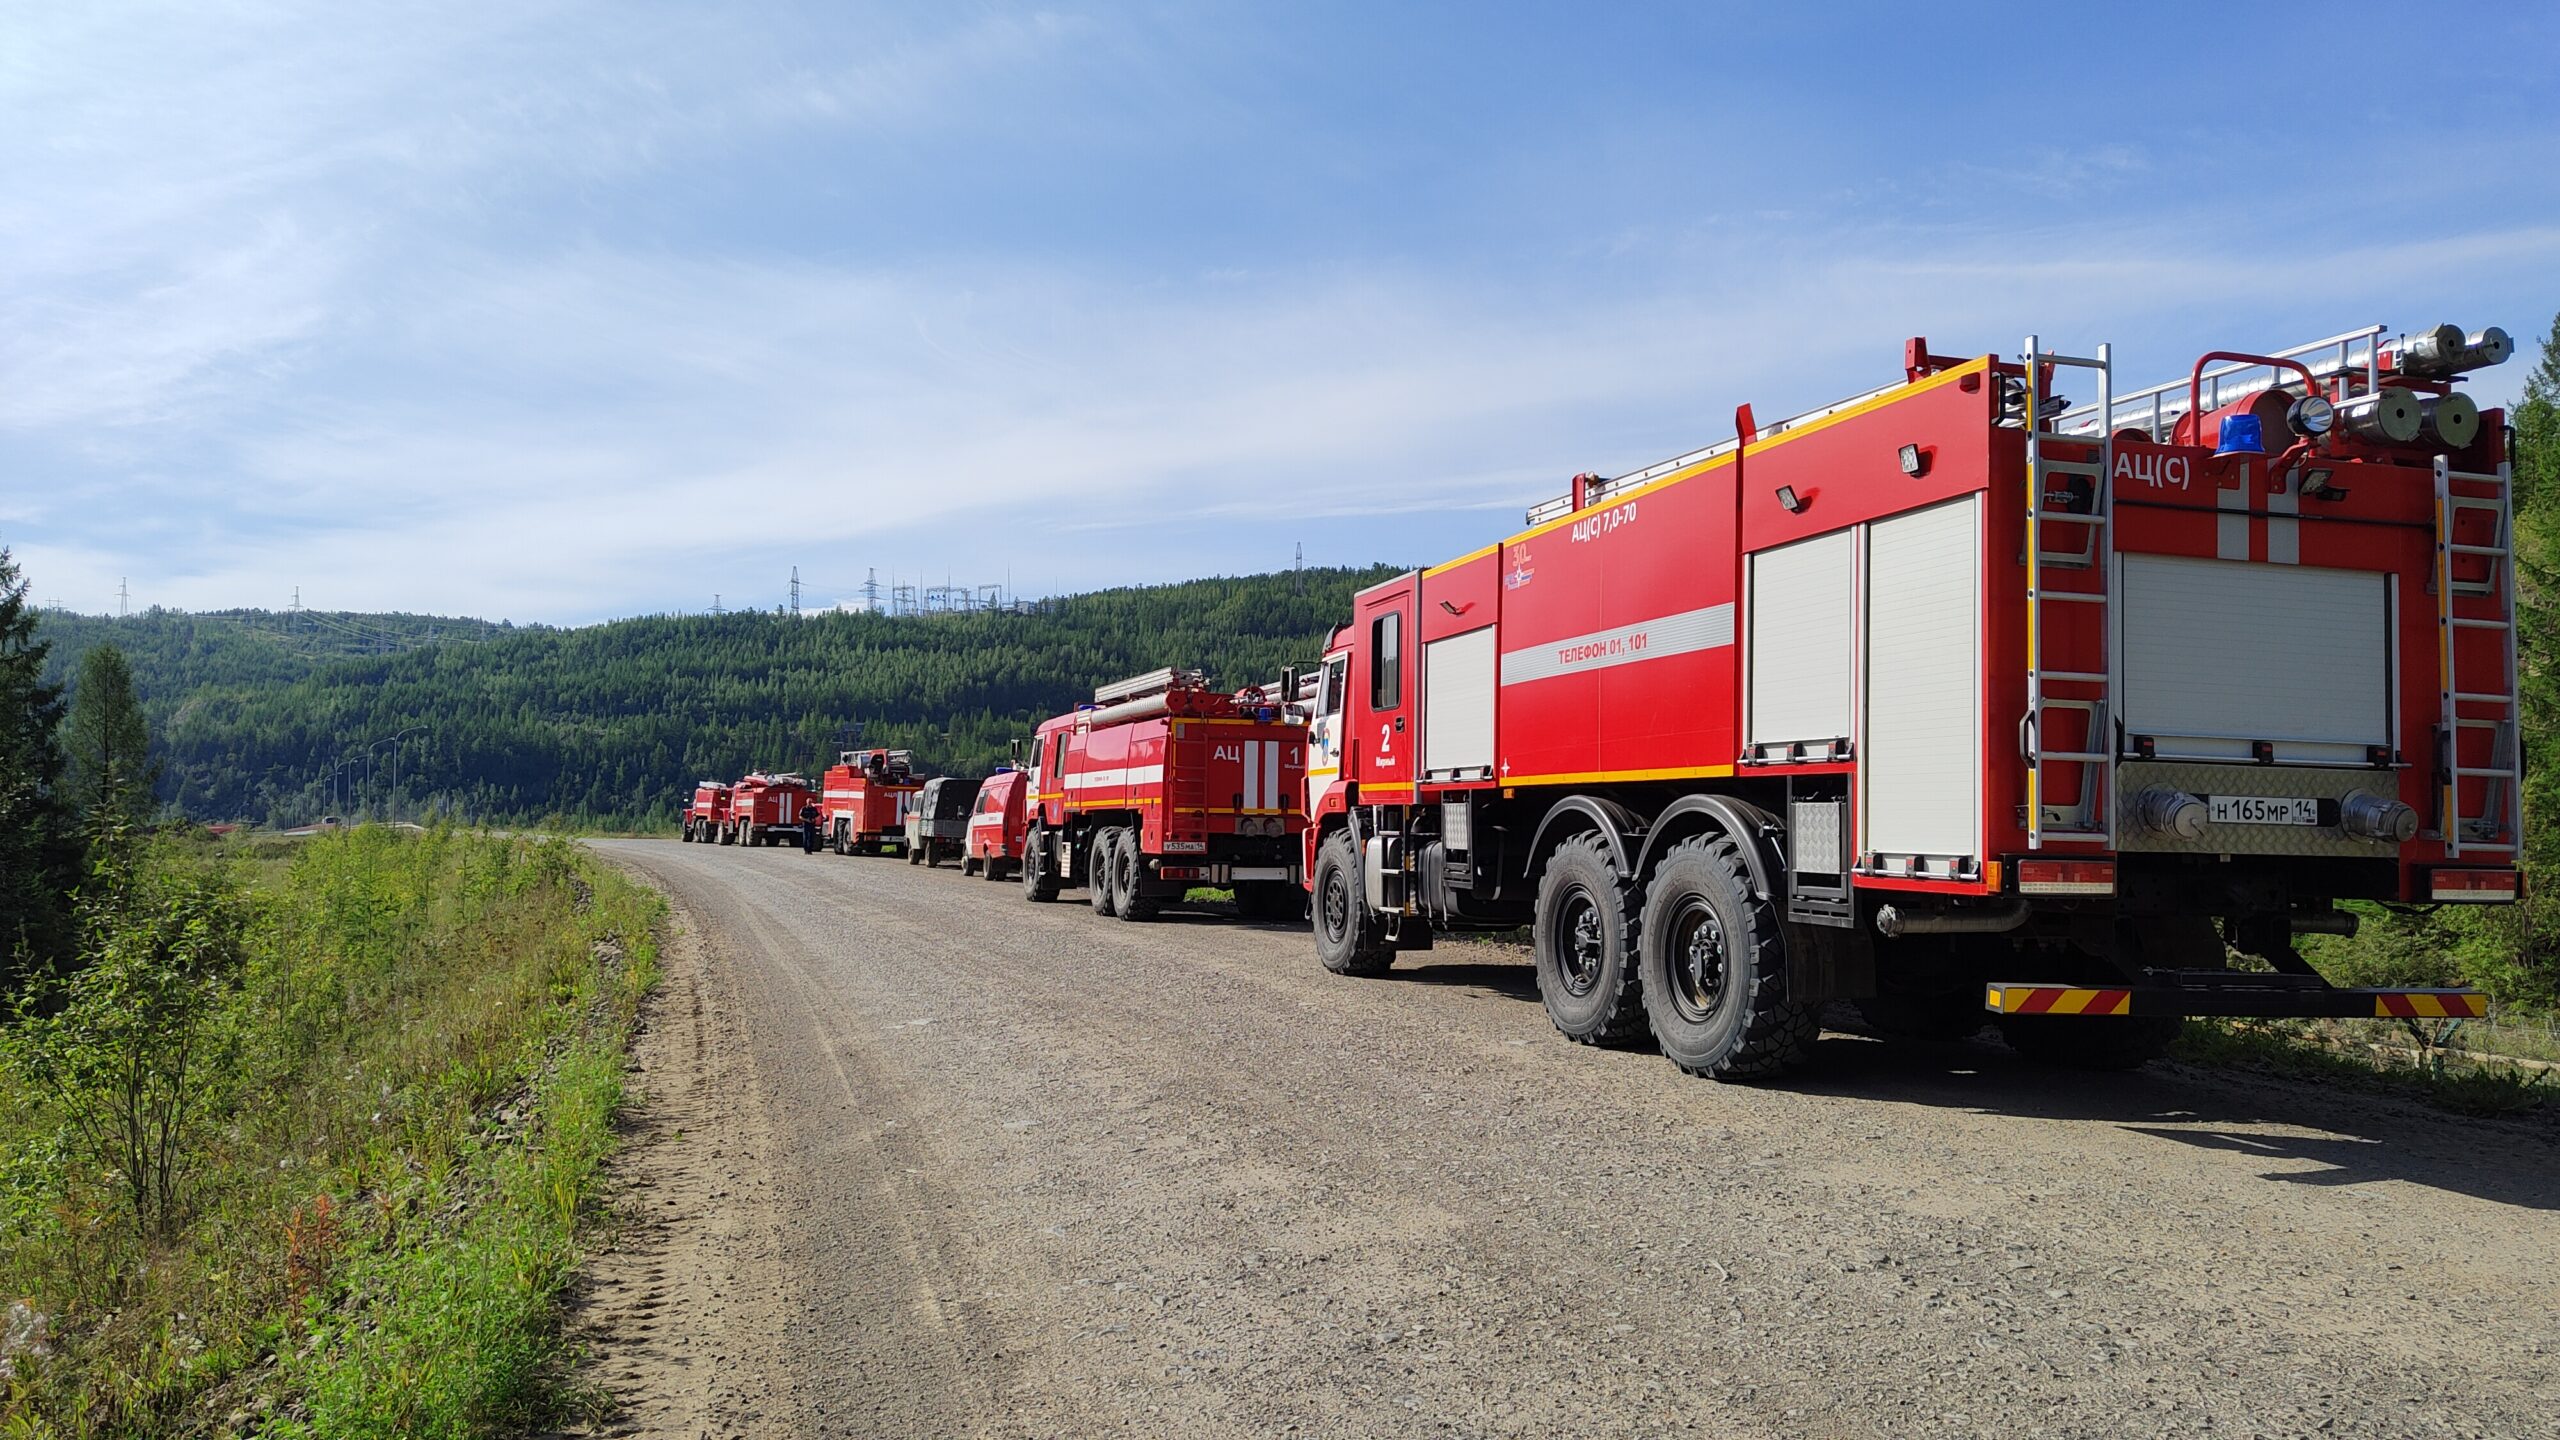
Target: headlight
x=2311, y=415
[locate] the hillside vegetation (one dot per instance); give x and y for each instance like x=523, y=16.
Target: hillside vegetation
x=609, y=724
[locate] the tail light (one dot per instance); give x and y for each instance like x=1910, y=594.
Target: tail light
x=2065, y=877
x=2472, y=887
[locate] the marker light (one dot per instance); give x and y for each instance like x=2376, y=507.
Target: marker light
x=2242, y=435
x=2311, y=415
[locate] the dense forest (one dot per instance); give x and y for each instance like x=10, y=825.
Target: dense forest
x=284, y=718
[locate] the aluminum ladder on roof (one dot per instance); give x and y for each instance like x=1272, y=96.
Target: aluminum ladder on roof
x=2494, y=828
x=2093, y=822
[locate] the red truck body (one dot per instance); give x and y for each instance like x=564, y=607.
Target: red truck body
x=765, y=809
x=1164, y=784
x=865, y=800
x=707, y=818
x=996, y=825
x=1947, y=685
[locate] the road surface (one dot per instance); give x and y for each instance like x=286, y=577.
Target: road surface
x=914, y=1157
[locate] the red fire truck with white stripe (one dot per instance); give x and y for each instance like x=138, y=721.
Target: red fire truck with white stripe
x=863, y=805
x=765, y=809
x=707, y=818
x=1162, y=784
x=1959, y=701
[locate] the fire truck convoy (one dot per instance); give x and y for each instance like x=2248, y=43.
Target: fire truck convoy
x=1957, y=699
x=1163, y=783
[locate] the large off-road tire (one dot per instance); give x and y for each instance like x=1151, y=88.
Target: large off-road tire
x=1585, y=944
x=2091, y=1042
x=1715, y=968
x=1102, y=857
x=1128, y=879
x=725, y=837
x=1349, y=939
x=1039, y=882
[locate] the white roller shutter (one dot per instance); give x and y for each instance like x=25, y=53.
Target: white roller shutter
x=2219, y=653
x=1923, y=767
x=1801, y=640
x=1457, y=702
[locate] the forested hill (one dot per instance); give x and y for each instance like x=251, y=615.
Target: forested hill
x=611, y=723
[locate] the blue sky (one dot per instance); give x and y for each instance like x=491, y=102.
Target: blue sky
x=560, y=311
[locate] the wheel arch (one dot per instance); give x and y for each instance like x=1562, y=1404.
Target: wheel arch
x=1613, y=820
x=1753, y=828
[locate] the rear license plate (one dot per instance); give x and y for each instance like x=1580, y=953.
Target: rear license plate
x=2262, y=810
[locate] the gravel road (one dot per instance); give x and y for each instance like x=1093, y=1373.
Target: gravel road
x=915, y=1158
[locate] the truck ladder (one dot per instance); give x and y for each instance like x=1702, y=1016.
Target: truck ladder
x=2094, y=822
x=2493, y=829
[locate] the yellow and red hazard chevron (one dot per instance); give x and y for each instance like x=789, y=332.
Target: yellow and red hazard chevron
x=2056, y=1000
x=2429, y=1005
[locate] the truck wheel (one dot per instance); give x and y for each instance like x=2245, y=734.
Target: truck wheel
x=2083, y=1042
x=914, y=856
x=1585, y=943
x=968, y=864
x=1101, y=854
x=1715, y=968
x=1039, y=883
x=995, y=868
x=1349, y=939
x=1128, y=880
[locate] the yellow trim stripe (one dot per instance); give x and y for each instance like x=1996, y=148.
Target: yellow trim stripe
x=1469, y=558
x=1762, y=447
x=1595, y=777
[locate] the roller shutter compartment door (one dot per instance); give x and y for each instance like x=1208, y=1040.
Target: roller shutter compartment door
x=1922, y=771
x=1802, y=640
x=2220, y=653
x=1457, y=702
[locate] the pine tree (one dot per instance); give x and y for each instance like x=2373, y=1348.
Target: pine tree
x=38, y=864
x=111, y=774
x=2536, y=471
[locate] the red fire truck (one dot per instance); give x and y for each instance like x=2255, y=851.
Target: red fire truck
x=1960, y=701
x=707, y=818
x=996, y=824
x=866, y=799
x=1161, y=784
x=765, y=809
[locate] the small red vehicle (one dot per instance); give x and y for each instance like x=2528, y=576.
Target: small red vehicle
x=864, y=807
x=995, y=826
x=707, y=818
x=765, y=809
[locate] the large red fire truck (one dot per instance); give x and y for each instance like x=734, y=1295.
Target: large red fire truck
x=1960, y=701
x=864, y=811
x=707, y=818
x=765, y=809
x=1164, y=783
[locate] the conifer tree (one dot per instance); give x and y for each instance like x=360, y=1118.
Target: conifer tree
x=108, y=746
x=38, y=863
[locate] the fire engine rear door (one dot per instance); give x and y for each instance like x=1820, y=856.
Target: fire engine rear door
x=2221, y=654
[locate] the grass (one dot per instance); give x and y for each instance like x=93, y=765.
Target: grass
x=2370, y=1055
x=384, y=1201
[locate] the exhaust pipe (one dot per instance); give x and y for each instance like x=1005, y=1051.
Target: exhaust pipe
x=1895, y=922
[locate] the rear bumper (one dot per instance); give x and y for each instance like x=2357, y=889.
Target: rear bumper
x=2220, y=993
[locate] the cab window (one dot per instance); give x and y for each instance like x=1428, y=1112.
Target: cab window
x=1386, y=661
x=1330, y=702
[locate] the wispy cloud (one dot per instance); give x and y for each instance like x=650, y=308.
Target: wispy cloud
x=563, y=310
